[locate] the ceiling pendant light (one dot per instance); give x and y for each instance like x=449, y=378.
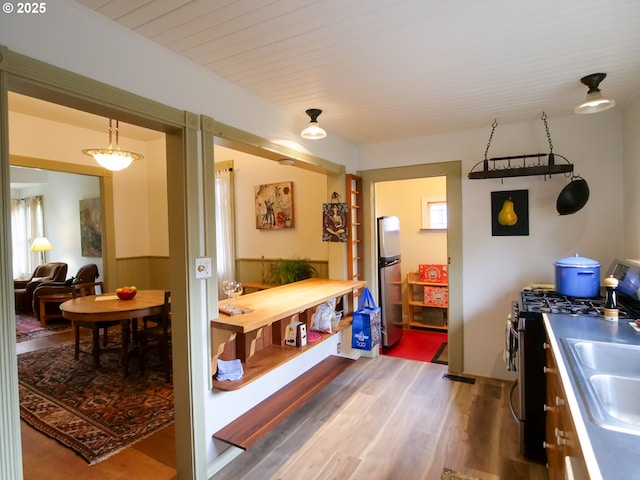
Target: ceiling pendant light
x=595, y=101
x=313, y=131
x=110, y=158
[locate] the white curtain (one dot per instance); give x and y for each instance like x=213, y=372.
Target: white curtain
x=225, y=240
x=27, y=223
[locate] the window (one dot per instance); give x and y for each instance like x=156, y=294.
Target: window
x=434, y=214
x=27, y=223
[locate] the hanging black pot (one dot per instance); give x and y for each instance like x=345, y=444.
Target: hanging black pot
x=573, y=196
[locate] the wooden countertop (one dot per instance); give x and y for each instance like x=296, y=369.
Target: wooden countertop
x=280, y=302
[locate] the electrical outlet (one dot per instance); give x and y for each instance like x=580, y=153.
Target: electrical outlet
x=339, y=347
x=203, y=267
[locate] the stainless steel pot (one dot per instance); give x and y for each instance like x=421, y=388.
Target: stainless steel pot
x=578, y=277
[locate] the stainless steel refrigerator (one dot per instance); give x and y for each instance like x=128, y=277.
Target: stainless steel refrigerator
x=390, y=279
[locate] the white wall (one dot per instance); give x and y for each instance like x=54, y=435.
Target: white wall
x=61, y=194
x=496, y=268
x=631, y=176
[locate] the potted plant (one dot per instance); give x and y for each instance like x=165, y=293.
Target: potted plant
x=290, y=270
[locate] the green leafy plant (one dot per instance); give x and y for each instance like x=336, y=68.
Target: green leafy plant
x=290, y=270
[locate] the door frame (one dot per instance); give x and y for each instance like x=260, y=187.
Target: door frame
x=22, y=74
x=453, y=173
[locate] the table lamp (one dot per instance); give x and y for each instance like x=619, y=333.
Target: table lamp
x=41, y=244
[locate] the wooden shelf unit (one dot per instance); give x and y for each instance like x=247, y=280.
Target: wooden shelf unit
x=355, y=247
x=419, y=314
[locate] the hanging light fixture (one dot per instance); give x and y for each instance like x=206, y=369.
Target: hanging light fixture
x=595, y=101
x=110, y=158
x=313, y=131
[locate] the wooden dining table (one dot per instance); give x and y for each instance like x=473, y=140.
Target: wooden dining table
x=93, y=309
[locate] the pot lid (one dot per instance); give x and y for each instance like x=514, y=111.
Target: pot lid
x=576, y=261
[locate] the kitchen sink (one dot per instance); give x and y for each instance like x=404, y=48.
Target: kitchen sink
x=619, y=397
x=608, y=357
x=608, y=379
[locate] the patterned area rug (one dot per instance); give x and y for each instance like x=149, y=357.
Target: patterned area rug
x=448, y=474
x=96, y=413
x=28, y=327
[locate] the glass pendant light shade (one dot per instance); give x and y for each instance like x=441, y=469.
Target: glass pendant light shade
x=595, y=101
x=110, y=158
x=113, y=160
x=313, y=131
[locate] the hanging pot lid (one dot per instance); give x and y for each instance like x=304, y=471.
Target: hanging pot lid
x=573, y=196
x=577, y=261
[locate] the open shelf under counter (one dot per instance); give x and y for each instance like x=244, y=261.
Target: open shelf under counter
x=271, y=357
x=257, y=338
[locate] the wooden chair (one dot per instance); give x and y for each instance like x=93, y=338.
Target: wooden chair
x=156, y=333
x=82, y=290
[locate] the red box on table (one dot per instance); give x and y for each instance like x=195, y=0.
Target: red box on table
x=433, y=273
x=436, y=296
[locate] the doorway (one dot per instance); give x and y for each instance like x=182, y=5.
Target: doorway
x=36, y=79
x=417, y=203
x=452, y=173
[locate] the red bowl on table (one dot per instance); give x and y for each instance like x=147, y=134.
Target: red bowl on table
x=126, y=294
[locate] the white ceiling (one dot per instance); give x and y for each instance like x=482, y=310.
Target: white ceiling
x=390, y=69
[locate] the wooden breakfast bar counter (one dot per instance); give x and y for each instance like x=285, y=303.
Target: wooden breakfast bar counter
x=257, y=338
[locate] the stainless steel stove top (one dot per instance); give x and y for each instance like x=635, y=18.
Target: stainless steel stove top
x=547, y=301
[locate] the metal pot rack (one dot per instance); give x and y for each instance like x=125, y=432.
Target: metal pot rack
x=520, y=165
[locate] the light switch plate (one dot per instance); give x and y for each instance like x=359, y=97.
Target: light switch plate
x=203, y=267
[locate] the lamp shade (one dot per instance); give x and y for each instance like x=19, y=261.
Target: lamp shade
x=41, y=244
x=313, y=131
x=111, y=158
x=595, y=101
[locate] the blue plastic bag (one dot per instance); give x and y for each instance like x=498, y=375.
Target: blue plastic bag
x=365, y=327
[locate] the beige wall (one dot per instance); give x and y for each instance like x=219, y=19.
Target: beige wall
x=309, y=191
x=139, y=192
x=403, y=198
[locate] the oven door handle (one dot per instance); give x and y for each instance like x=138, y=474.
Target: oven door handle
x=513, y=411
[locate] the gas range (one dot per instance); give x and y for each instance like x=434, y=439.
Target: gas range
x=538, y=301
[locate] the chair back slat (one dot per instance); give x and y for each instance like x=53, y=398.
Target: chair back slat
x=85, y=289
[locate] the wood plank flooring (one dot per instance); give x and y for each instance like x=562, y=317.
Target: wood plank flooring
x=389, y=418
x=383, y=418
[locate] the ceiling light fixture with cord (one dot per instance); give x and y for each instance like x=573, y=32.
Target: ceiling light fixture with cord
x=110, y=158
x=595, y=101
x=313, y=131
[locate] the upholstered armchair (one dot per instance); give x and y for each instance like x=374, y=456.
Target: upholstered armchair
x=86, y=274
x=47, y=272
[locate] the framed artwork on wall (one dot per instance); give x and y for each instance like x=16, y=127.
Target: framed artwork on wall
x=274, y=206
x=510, y=213
x=334, y=222
x=91, y=227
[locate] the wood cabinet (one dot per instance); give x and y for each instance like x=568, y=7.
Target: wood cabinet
x=426, y=314
x=561, y=439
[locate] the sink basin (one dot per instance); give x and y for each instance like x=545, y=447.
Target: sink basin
x=619, y=397
x=614, y=358
x=608, y=379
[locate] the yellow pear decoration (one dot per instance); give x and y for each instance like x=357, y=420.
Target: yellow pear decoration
x=507, y=215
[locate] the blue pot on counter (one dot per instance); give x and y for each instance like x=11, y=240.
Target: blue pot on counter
x=578, y=277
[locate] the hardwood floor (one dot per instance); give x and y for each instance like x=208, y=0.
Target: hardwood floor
x=42, y=457
x=383, y=418
x=389, y=418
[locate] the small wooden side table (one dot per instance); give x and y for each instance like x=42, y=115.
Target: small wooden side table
x=57, y=298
